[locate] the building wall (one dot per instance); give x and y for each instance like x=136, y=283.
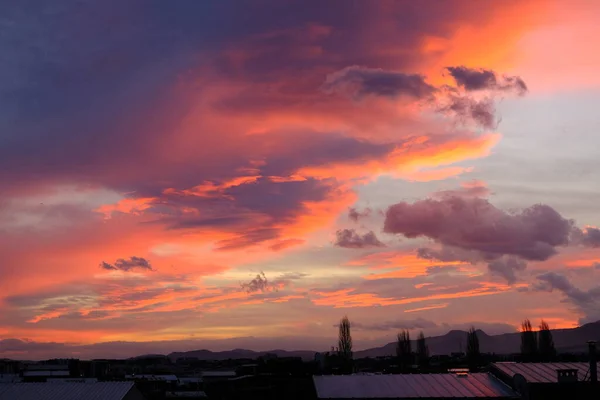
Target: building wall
x=562, y=391
x=134, y=394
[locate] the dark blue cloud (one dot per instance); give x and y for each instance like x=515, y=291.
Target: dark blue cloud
x=351, y=239
x=128, y=264
x=591, y=237
x=85, y=84
x=586, y=301
x=484, y=79
x=88, y=94
x=252, y=210
x=360, y=82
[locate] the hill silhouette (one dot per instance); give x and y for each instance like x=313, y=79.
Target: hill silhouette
x=239, y=354
x=566, y=340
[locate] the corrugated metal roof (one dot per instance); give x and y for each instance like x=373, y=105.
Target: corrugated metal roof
x=542, y=372
x=65, y=391
x=71, y=380
x=410, y=386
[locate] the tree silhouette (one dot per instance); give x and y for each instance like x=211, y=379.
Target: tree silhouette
x=404, y=350
x=546, y=343
x=422, y=351
x=529, y=348
x=473, y=353
x=345, y=340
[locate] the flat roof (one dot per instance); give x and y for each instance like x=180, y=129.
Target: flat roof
x=406, y=386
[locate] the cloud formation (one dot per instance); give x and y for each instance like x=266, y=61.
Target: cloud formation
x=507, y=267
x=534, y=233
x=447, y=254
x=259, y=283
x=200, y=136
x=590, y=237
x=418, y=323
x=471, y=229
x=351, y=239
x=472, y=79
x=467, y=189
x=457, y=102
x=586, y=301
x=126, y=265
x=355, y=214
x=482, y=112
x=361, y=81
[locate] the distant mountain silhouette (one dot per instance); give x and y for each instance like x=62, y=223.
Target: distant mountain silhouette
x=566, y=340
x=147, y=356
x=240, y=353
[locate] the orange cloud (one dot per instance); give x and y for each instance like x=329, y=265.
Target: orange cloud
x=127, y=206
x=245, y=150
x=437, y=174
x=409, y=159
x=346, y=298
x=493, y=44
x=404, y=265
x=587, y=262
x=431, y=307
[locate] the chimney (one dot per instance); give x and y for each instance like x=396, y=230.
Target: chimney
x=566, y=375
x=593, y=365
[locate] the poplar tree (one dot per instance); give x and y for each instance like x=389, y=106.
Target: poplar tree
x=546, y=342
x=404, y=350
x=422, y=351
x=473, y=353
x=529, y=347
x=345, y=339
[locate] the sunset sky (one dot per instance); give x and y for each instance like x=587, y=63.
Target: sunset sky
x=221, y=174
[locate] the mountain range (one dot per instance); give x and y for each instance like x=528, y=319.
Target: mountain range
x=565, y=340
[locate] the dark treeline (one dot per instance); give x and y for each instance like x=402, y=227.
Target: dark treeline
x=536, y=345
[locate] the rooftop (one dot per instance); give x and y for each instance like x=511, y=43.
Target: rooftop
x=218, y=374
x=182, y=395
x=405, y=386
x=9, y=378
x=65, y=391
x=46, y=373
x=190, y=379
x=151, y=377
x=542, y=372
x=47, y=367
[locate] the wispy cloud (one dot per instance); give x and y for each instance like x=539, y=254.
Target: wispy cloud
x=126, y=265
x=351, y=239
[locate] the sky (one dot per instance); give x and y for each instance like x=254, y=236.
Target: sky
x=222, y=174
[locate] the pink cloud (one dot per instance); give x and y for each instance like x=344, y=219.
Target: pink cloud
x=475, y=224
x=218, y=148
x=349, y=238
